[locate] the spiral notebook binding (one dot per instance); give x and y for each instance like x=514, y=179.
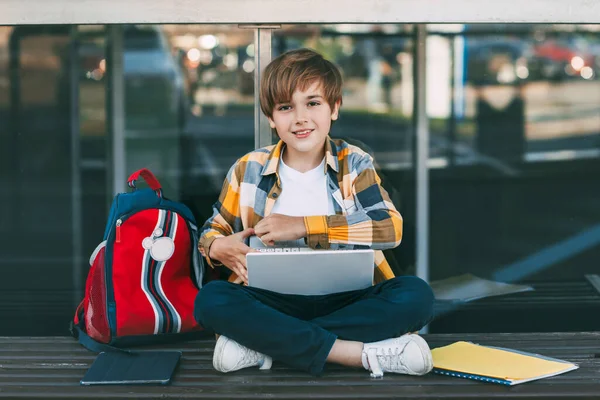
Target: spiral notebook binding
x=471, y=376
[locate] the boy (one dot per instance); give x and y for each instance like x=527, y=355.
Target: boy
x=326, y=191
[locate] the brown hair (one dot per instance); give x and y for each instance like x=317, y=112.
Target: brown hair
x=298, y=69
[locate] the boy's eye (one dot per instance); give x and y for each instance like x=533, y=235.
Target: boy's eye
x=283, y=108
x=313, y=103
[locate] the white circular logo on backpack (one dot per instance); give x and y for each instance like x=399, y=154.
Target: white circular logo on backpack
x=161, y=249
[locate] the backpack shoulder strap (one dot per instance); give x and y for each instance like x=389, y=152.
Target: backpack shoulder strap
x=86, y=341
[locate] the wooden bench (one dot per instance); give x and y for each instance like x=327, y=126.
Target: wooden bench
x=51, y=367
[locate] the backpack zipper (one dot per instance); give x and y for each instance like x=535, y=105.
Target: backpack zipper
x=118, y=231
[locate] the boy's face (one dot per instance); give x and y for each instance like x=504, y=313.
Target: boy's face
x=304, y=122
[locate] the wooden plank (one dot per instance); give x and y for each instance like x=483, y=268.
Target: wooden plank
x=587, y=371
x=47, y=356
x=373, y=391
x=358, y=381
x=589, y=368
x=522, y=337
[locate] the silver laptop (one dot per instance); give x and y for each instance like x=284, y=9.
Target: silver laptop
x=300, y=270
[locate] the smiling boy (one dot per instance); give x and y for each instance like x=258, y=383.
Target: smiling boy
x=326, y=191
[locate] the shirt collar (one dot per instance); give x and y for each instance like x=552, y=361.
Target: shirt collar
x=272, y=164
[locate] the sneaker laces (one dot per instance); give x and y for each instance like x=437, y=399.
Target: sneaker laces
x=389, y=358
x=249, y=356
x=253, y=357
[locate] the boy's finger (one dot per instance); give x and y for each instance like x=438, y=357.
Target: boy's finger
x=240, y=274
x=260, y=230
x=247, y=232
x=242, y=268
x=245, y=249
x=268, y=239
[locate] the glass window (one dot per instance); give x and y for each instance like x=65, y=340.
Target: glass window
x=36, y=236
x=514, y=114
x=513, y=180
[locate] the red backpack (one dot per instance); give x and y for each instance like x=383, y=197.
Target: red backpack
x=144, y=276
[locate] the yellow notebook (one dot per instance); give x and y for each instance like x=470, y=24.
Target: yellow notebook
x=494, y=364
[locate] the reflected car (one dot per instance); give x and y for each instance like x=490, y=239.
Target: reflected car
x=156, y=93
x=498, y=61
x=565, y=58
x=155, y=90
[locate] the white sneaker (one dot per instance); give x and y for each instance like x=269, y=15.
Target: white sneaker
x=231, y=356
x=407, y=354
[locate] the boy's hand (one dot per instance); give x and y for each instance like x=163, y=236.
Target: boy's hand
x=278, y=227
x=231, y=251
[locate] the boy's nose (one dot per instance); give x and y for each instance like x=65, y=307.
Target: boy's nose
x=301, y=118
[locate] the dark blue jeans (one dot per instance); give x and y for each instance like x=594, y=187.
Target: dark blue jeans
x=300, y=330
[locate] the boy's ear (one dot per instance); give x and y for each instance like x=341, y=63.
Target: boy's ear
x=335, y=113
x=271, y=123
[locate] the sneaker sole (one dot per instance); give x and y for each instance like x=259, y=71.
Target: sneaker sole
x=218, y=353
x=425, y=351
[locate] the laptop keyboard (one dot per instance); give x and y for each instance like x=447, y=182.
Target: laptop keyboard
x=282, y=249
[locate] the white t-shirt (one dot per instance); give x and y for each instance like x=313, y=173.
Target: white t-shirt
x=303, y=193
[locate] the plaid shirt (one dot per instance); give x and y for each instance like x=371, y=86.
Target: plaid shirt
x=364, y=214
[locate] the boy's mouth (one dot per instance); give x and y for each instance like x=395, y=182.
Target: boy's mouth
x=303, y=133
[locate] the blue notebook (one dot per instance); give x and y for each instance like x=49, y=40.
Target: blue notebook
x=495, y=364
x=133, y=368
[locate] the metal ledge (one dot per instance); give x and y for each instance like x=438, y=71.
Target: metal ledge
x=19, y=12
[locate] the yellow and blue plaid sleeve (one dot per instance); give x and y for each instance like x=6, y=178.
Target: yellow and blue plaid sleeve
x=225, y=219
x=375, y=224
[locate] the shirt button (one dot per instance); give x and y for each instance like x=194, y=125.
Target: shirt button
x=274, y=195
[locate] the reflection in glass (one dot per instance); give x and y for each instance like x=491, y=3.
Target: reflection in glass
x=189, y=105
x=514, y=195
x=519, y=93
x=35, y=180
